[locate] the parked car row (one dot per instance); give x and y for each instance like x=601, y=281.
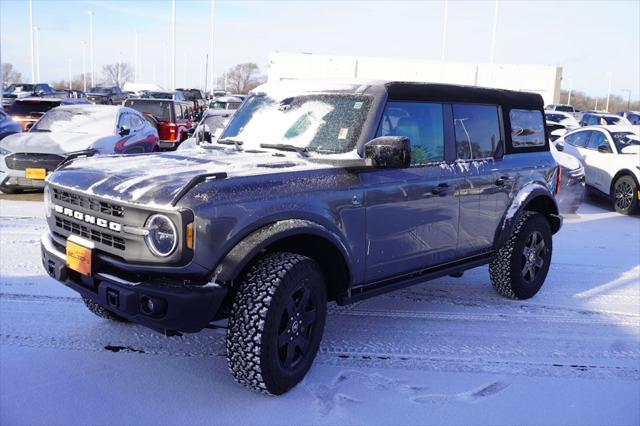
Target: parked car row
x=69, y=131
x=610, y=156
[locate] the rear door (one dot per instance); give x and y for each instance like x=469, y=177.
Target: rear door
x=412, y=213
x=479, y=141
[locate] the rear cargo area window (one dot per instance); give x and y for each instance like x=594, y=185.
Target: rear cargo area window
x=527, y=128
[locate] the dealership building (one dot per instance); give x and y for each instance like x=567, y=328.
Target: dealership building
x=542, y=79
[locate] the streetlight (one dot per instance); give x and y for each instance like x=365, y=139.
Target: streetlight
x=33, y=62
x=173, y=44
x=93, y=75
x=84, y=68
x=69, y=69
x=135, y=58
x=211, y=50
x=628, y=98
x=444, y=38
x=570, y=89
x=610, y=74
x=37, y=49
x=493, y=39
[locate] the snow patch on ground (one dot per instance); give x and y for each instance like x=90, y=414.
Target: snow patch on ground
x=450, y=351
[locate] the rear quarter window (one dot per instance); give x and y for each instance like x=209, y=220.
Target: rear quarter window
x=527, y=128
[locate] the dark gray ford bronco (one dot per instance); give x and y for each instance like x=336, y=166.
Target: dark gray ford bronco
x=313, y=193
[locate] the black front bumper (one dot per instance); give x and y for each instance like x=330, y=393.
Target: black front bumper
x=180, y=308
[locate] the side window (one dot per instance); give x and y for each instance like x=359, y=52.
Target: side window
x=135, y=121
x=477, y=131
x=579, y=139
x=179, y=112
x=124, y=120
x=527, y=128
x=422, y=123
x=597, y=139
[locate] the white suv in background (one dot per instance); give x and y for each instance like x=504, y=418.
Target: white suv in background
x=611, y=159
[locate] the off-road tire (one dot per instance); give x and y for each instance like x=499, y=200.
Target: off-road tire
x=625, y=187
x=257, y=315
x=102, y=312
x=506, y=268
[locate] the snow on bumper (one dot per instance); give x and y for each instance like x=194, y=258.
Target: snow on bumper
x=154, y=304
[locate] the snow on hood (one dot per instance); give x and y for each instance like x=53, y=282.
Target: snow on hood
x=156, y=179
x=48, y=143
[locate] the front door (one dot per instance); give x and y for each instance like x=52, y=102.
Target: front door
x=412, y=213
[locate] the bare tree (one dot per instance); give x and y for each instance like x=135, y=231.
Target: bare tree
x=117, y=74
x=583, y=102
x=242, y=78
x=9, y=74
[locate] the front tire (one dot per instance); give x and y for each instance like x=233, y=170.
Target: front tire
x=521, y=265
x=276, y=323
x=625, y=195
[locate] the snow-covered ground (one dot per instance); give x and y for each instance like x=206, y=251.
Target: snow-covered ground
x=449, y=351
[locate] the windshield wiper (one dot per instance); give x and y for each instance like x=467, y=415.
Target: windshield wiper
x=40, y=130
x=231, y=141
x=286, y=147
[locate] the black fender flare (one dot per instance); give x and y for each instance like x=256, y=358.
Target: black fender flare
x=239, y=257
x=533, y=195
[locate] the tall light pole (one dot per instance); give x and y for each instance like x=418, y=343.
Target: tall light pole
x=211, y=49
x=184, y=69
x=33, y=61
x=610, y=74
x=173, y=44
x=135, y=57
x=570, y=89
x=93, y=74
x=628, y=98
x=444, y=38
x=84, y=67
x=37, y=48
x=69, y=69
x=493, y=39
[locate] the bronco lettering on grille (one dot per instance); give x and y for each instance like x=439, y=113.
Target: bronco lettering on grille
x=103, y=223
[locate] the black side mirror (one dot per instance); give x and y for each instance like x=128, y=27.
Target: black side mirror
x=389, y=152
x=124, y=131
x=560, y=146
x=604, y=148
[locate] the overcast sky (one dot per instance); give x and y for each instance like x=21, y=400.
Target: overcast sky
x=587, y=38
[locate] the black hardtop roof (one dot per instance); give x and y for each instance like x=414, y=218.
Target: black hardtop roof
x=412, y=91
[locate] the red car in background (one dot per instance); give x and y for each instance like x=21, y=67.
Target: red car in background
x=173, y=119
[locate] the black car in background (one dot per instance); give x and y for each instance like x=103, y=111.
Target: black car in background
x=8, y=126
x=106, y=95
x=27, y=111
x=23, y=90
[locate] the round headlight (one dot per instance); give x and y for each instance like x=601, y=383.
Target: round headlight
x=48, y=203
x=162, y=238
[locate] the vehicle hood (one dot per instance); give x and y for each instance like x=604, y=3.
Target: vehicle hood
x=158, y=179
x=48, y=143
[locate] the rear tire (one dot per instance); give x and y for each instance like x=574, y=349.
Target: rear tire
x=102, y=312
x=625, y=195
x=521, y=265
x=276, y=323
x=11, y=190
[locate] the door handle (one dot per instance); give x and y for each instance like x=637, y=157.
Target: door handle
x=440, y=190
x=502, y=180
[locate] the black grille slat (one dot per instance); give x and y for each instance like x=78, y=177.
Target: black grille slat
x=24, y=160
x=88, y=203
x=90, y=234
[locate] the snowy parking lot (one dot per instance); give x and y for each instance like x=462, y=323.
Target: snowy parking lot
x=449, y=351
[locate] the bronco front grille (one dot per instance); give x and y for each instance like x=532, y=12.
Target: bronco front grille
x=88, y=203
x=22, y=160
x=90, y=234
